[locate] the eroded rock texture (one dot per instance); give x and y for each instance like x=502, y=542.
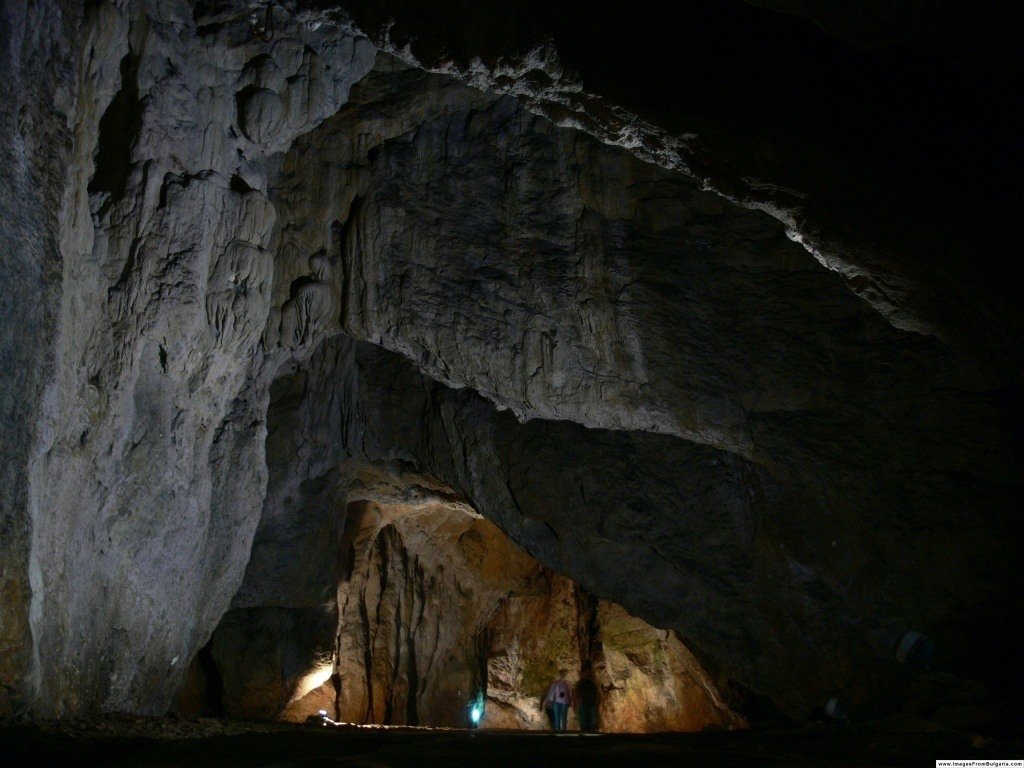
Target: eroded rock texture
x=862, y=155
x=434, y=607
x=150, y=455
x=37, y=85
x=647, y=679
x=247, y=252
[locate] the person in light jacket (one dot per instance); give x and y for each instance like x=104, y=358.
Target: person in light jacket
x=559, y=699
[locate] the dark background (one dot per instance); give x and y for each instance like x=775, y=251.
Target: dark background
x=901, y=124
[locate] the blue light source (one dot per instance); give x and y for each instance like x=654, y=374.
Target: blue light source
x=475, y=709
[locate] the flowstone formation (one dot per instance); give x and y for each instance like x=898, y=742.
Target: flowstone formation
x=250, y=250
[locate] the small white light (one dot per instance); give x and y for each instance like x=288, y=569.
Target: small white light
x=475, y=714
x=323, y=713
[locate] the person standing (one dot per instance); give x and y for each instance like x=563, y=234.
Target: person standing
x=587, y=700
x=558, y=699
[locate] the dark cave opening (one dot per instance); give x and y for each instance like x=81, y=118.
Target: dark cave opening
x=118, y=129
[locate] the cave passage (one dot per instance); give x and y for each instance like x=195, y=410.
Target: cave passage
x=438, y=612
x=385, y=359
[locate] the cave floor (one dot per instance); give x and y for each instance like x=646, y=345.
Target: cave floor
x=170, y=743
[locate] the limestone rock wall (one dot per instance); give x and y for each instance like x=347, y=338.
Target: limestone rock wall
x=38, y=72
x=434, y=606
x=730, y=598
x=608, y=293
x=412, y=606
x=666, y=555
x=264, y=658
x=531, y=638
x=148, y=469
x=243, y=250
x=864, y=156
x=647, y=679
x=650, y=679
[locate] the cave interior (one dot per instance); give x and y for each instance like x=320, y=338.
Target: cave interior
x=374, y=362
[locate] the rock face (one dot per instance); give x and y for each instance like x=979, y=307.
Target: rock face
x=647, y=679
x=522, y=471
x=435, y=606
x=839, y=144
x=37, y=81
x=262, y=271
x=408, y=647
x=153, y=416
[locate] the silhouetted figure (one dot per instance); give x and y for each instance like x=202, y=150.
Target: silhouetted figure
x=587, y=700
x=558, y=699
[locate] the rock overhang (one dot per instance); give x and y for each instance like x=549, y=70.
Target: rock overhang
x=853, y=454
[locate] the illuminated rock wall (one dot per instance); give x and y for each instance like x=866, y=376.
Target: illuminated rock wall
x=435, y=605
x=729, y=380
